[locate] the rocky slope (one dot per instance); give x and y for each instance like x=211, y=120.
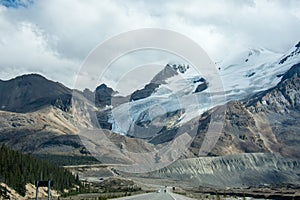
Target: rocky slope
x=53, y=131
x=49, y=130
x=240, y=170
x=265, y=122
x=37, y=115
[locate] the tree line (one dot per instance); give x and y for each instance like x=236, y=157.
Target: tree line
x=18, y=169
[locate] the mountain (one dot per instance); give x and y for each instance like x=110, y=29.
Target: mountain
x=103, y=95
x=281, y=106
x=48, y=130
x=255, y=70
x=32, y=92
x=173, y=93
x=179, y=94
x=37, y=115
x=258, y=146
x=159, y=79
x=264, y=122
x=261, y=111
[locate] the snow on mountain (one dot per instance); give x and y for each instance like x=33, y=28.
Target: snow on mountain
x=255, y=70
x=185, y=90
x=175, y=92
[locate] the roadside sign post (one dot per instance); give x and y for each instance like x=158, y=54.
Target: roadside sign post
x=49, y=194
x=37, y=190
x=48, y=184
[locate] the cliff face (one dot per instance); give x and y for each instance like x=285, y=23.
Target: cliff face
x=281, y=99
x=279, y=110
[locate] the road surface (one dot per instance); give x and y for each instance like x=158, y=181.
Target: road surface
x=156, y=196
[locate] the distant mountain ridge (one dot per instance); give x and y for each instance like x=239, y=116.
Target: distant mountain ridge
x=258, y=142
x=31, y=92
x=180, y=89
x=32, y=104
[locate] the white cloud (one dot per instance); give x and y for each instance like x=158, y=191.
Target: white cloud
x=53, y=37
x=24, y=48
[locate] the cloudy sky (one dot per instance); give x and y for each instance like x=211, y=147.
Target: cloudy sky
x=54, y=37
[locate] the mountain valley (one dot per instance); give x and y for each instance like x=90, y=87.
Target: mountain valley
x=258, y=141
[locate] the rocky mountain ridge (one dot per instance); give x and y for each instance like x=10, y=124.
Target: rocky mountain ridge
x=263, y=122
x=33, y=92
x=266, y=122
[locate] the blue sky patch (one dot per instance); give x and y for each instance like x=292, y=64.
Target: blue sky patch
x=16, y=3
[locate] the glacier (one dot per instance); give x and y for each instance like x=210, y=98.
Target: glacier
x=242, y=75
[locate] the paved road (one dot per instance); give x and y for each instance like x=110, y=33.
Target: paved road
x=156, y=196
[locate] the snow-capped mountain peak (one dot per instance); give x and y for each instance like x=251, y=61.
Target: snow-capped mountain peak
x=248, y=57
x=255, y=70
x=179, y=89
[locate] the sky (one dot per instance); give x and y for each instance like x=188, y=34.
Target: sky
x=54, y=37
